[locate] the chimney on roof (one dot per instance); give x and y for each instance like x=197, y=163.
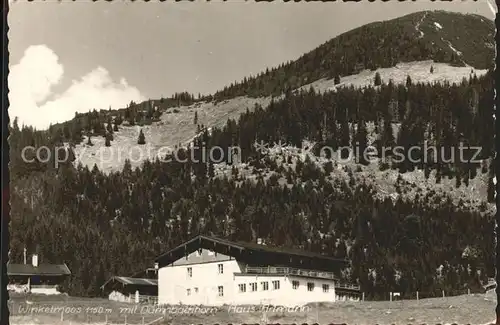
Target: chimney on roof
x=34, y=260
x=25, y=261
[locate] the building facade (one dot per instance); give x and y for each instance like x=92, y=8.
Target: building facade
x=211, y=271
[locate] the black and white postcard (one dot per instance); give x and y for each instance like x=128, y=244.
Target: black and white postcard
x=240, y=162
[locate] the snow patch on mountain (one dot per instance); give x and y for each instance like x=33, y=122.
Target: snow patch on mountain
x=176, y=127
x=454, y=49
x=418, y=71
x=417, y=26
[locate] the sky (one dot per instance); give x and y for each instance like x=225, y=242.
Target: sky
x=68, y=57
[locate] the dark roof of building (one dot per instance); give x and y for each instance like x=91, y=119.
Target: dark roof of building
x=209, y=242
x=131, y=281
x=149, y=273
x=41, y=269
x=290, y=251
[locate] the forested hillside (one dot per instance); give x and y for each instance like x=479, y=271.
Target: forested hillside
x=104, y=224
x=438, y=35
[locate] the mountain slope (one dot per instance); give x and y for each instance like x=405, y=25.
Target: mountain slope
x=425, y=36
x=470, y=37
x=460, y=40
x=176, y=125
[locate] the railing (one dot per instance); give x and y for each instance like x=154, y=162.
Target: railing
x=143, y=299
x=302, y=272
x=150, y=300
x=290, y=271
x=346, y=286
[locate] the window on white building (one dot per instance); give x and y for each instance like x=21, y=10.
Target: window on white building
x=242, y=287
x=295, y=284
x=220, y=289
x=188, y=292
x=276, y=285
x=310, y=286
x=264, y=285
x=221, y=268
x=195, y=290
x=326, y=288
x=190, y=272
x=253, y=286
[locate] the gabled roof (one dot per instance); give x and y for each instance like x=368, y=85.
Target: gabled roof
x=41, y=269
x=131, y=281
x=223, y=246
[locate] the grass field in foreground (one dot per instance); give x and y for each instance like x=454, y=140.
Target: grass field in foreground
x=466, y=309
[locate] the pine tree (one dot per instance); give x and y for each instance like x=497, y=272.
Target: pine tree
x=458, y=180
x=361, y=143
x=234, y=172
x=439, y=175
x=89, y=142
x=150, y=109
x=195, y=118
x=491, y=191
x=109, y=126
x=211, y=170
x=491, y=184
x=77, y=129
x=378, y=79
x=387, y=138
x=403, y=142
x=336, y=79
x=88, y=122
x=66, y=132
x=328, y=167
x=118, y=119
x=407, y=109
x=344, y=138
x=427, y=171
x=432, y=69
x=107, y=142
x=142, y=139
x=408, y=81
x=467, y=180
x=127, y=167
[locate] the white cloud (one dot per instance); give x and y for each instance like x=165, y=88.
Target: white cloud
x=32, y=79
